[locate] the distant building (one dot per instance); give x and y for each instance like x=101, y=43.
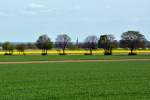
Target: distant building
x=77, y=42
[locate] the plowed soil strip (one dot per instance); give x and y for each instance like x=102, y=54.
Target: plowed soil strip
x=62, y=61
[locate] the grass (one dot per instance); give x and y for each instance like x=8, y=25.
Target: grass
x=76, y=81
x=68, y=57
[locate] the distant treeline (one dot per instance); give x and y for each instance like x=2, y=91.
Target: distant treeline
x=129, y=40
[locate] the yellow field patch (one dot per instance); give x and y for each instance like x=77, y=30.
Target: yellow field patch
x=80, y=52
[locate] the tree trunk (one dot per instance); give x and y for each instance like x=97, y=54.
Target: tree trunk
x=63, y=51
x=42, y=51
x=46, y=51
x=110, y=51
x=10, y=51
x=91, y=52
x=131, y=51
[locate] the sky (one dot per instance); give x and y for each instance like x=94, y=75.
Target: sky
x=26, y=20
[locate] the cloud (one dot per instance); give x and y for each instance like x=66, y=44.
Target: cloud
x=76, y=7
x=36, y=5
x=73, y=9
x=41, y=9
x=27, y=12
x=7, y=14
x=2, y=14
x=33, y=9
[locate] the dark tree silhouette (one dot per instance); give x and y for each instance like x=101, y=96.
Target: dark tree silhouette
x=44, y=43
x=107, y=42
x=21, y=48
x=91, y=43
x=132, y=40
x=8, y=48
x=62, y=41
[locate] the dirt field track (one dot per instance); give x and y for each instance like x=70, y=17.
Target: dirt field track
x=62, y=61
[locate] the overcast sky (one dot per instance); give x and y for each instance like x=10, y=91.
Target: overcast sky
x=26, y=20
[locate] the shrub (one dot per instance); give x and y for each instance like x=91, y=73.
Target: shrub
x=108, y=53
x=88, y=54
x=8, y=54
x=62, y=53
x=132, y=54
x=44, y=54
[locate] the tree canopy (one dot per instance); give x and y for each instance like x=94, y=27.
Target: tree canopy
x=132, y=40
x=44, y=43
x=21, y=48
x=62, y=41
x=8, y=47
x=91, y=43
x=107, y=42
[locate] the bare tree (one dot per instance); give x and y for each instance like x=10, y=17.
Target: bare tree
x=91, y=43
x=62, y=41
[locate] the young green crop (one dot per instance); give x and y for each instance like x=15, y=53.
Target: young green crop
x=76, y=81
x=67, y=57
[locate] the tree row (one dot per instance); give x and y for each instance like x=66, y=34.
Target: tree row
x=131, y=40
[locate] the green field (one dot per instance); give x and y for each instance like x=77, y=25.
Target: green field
x=68, y=57
x=76, y=81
